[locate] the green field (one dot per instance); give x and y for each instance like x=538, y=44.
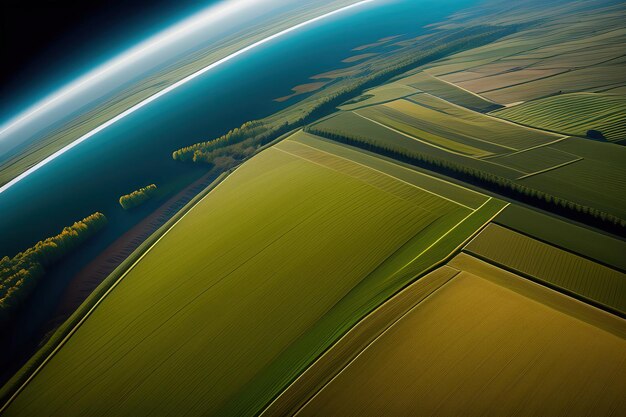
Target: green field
x=551, y=265
x=484, y=342
x=449, y=92
x=574, y=114
x=271, y=267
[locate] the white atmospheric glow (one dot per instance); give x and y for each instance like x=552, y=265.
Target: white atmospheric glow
x=188, y=26
x=178, y=31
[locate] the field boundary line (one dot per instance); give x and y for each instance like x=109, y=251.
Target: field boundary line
x=471, y=137
x=547, y=132
x=370, y=343
x=550, y=168
x=434, y=267
x=454, y=227
x=438, y=78
x=437, y=146
x=547, y=284
x=529, y=149
x=381, y=172
x=411, y=136
x=358, y=179
x=403, y=97
x=444, y=260
x=395, y=164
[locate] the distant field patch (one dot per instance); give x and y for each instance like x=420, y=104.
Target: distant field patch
x=351, y=124
x=379, y=95
x=358, y=58
x=335, y=74
x=257, y=280
x=376, y=44
x=302, y=89
x=552, y=265
x=574, y=114
x=485, y=337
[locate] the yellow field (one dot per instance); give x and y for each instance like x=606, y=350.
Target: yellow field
x=486, y=343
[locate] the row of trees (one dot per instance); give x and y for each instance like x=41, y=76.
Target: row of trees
x=485, y=180
x=196, y=151
x=20, y=274
x=251, y=135
x=138, y=197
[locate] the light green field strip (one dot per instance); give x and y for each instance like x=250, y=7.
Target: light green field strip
x=251, y=286
x=462, y=125
x=552, y=265
x=574, y=114
x=448, y=91
x=393, y=120
x=379, y=95
x=461, y=195
x=486, y=337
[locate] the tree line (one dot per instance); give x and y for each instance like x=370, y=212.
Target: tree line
x=489, y=181
x=20, y=274
x=138, y=197
x=241, y=142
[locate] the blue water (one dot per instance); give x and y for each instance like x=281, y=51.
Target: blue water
x=137, y=150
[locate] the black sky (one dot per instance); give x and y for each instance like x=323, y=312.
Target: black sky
x=45, y=43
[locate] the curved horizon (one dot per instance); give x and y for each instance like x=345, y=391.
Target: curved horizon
x=186, y=26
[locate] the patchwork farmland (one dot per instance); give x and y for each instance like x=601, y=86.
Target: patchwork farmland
x=449, y=345
x=373, y=232
x=582, y=171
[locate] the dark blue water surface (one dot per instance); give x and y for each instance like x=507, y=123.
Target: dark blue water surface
x=136, y=151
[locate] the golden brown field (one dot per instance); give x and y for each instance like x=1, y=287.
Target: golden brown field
x=488, y=342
